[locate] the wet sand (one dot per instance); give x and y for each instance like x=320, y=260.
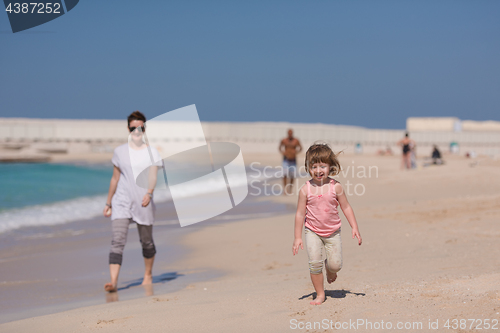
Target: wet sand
x=430, y=254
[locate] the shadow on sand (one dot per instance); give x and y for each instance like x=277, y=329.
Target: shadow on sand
x=162, y=278
x=333, y=294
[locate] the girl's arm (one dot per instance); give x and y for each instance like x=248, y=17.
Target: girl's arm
x=348, y=212
x=153, y=170
x=112, y=189
x=299, y=221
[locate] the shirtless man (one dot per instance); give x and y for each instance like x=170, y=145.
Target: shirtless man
x=289, y=148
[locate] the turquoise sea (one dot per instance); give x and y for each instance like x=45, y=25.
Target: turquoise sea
x=26, y=184
x=47, y=194
x=44, y=194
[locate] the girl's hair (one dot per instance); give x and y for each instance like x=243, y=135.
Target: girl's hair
x=322, y=153
x=136, y=115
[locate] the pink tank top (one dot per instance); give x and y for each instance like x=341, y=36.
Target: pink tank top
x=322, y=215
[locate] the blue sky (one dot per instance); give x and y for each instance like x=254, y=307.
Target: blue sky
x=366, y=63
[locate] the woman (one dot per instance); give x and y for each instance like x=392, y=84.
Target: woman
x=129, y=203
x=407, y=145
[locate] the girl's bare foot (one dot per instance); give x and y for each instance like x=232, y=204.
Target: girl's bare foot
x=110, y=288
x=148, y=279
x=330, y=277
x=318, y=300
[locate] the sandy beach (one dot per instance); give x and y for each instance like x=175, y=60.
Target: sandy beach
x=429, y=258
x=218, y=98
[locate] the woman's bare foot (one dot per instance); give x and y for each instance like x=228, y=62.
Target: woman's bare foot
x=318, y=300
x=148, y=279
x=148, y=288
x=110, y=288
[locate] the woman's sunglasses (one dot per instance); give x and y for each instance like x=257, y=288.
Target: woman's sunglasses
x=131, y=129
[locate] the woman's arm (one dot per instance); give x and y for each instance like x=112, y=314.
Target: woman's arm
x=112, y=189
x=299, y=221
x=348, y=212
x=153, y=170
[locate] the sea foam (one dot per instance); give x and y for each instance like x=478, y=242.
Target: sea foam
x=61, y=212
x=83, y=208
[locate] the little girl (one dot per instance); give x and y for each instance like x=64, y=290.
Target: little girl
x=317, y=207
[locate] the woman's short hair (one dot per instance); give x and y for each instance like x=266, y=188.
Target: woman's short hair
x=136, y=115
x=322, y=153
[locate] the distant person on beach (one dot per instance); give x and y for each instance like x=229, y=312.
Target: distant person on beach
x=289, y=148
x=319, y=198
x=436, y=156
x=129, y=203
x=387, y=151
x=407, y=145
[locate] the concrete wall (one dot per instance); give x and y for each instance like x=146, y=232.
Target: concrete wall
x=266, y=136
x=432, y=124
x=482, y=126
x=103, y=135
x=450, y=124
